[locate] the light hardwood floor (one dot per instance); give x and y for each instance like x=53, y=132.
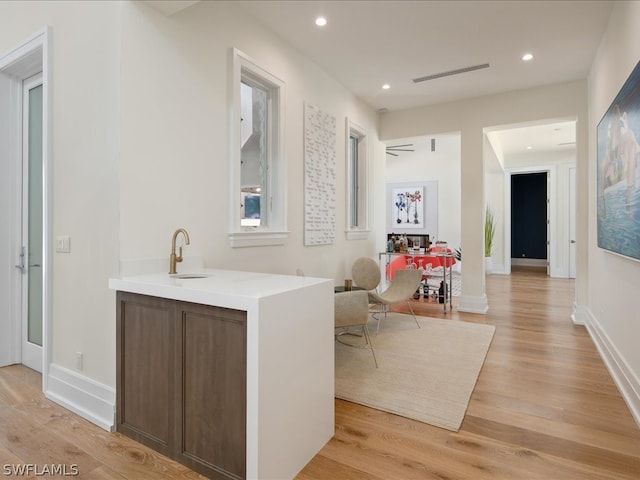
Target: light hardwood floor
x=544, y=407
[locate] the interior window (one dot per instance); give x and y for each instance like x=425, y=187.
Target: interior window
x=357, y=182
x=257, y=189
x=353, y=181
x=254, y=186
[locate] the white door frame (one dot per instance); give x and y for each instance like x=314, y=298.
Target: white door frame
x=28, y=58
x=552, y=209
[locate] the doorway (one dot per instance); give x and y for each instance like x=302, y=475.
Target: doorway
x=25, y=207
x=551, y=208
x=530, y=220
x=572, y=222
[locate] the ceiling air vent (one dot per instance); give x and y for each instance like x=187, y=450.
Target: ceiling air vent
x=451, y=72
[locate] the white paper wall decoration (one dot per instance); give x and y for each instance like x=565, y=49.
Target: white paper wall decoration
x=319, y=177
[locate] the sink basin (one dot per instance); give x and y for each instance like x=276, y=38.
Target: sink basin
x=185, y=276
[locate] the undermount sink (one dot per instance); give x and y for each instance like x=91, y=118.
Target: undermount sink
x=185, y=276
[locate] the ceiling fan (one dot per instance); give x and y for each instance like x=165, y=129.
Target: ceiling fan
x=394, y=149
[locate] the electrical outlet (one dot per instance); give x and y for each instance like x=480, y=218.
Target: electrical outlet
x=63, y=244
x=79, y=360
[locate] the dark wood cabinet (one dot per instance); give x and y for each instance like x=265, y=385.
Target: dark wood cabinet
x=181, y=381
x=212, y=379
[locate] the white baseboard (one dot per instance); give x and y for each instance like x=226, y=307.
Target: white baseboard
x=497, y=269
x=579, y=315
x=91, y=400
x=529, y=262
x=624, y=378
x=471, y=304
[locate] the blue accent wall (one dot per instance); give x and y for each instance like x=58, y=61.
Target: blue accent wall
x=529, y=215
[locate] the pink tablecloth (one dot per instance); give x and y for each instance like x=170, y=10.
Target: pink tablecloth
x=416, y=261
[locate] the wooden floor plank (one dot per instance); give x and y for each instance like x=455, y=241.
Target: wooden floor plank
x=521, y=463
x=579, y=452
x=509, y=411
x=35, y=444
x=8, y=459
x=101, y=473
x=324, y=468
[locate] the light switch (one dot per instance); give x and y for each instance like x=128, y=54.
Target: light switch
x=63, y=244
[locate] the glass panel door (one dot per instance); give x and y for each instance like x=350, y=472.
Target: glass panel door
x=35, y=216
x=32, y=224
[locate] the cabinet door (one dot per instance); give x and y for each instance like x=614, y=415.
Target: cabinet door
x=212, y=435
x=144, y=364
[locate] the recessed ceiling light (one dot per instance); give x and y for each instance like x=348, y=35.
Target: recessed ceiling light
x=321, y=21
x=527, y=56
x=386, y=86
x=529, y=147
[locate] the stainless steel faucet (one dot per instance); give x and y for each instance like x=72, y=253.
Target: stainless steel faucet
x=173, y=258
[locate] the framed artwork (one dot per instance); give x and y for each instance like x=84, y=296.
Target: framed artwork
x=618, y=177
x=412, y=208
x=409, y=206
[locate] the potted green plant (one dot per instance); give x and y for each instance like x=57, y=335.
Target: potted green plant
x=489, y=232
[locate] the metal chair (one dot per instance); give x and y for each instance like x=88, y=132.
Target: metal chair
x=352, y=310
x=402, y=287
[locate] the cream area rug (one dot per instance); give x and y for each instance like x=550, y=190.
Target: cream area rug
x=427, y=373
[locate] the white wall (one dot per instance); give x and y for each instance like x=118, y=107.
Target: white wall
x=494, y=196
x=612, y=313
x=85, y=97
x=443, y=166
x=8, y=255
x=174, y=162
x=140, y=149
x=471, y=117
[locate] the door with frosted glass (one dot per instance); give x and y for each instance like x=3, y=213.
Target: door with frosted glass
x=572, y=222
x=32, y=227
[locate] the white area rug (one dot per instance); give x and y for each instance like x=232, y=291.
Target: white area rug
x=427, y=373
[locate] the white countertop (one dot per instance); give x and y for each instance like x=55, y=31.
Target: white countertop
x=224, y=288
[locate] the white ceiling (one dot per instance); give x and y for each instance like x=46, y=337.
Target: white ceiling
x=169, y=7
x=368, y=43
x=549, y=137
